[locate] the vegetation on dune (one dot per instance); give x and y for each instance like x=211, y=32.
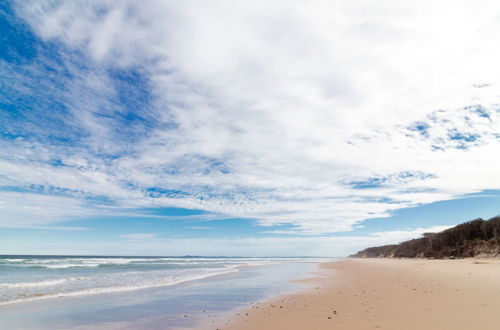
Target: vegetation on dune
x=474, y=238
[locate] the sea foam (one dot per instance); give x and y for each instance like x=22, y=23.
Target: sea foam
x=34, y=278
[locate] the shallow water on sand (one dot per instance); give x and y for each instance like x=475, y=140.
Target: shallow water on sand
x=192, y=304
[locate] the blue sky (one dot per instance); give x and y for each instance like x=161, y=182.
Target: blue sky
x=229, y=128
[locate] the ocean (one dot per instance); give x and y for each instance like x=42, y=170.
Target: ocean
x=103, y=292
x=28, y=278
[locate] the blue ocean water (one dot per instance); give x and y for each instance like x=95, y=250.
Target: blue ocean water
x=32, y=278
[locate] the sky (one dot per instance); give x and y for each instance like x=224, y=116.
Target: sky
x=256, y=128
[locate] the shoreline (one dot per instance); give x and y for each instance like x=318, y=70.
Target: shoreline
x=189, y=305
x=302, y=284
x=385, y=294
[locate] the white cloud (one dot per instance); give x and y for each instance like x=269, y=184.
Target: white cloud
x=139, y=236
x=275, y=113
x=200, y=227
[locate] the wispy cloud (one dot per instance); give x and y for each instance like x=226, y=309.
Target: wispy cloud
x=139, y=236
x=317, y=114
x=199, y=227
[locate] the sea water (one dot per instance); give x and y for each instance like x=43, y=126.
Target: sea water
x=28, y=278
x=75, y=292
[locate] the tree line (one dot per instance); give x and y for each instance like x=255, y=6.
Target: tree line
x=469, y=239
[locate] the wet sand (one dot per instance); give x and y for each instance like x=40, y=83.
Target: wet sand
x=386, y=294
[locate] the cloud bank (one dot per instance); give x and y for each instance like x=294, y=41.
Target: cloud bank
x=317, y=115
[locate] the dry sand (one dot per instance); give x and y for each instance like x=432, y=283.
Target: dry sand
x=386, y=294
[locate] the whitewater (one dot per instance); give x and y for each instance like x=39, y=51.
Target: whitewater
x=29, y=278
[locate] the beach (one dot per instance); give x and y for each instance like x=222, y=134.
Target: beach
x=385, y=294
x=282, y=294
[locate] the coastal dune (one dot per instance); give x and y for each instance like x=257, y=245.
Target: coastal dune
x=386, y=294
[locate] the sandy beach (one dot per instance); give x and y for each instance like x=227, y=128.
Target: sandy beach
x=386, y=294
